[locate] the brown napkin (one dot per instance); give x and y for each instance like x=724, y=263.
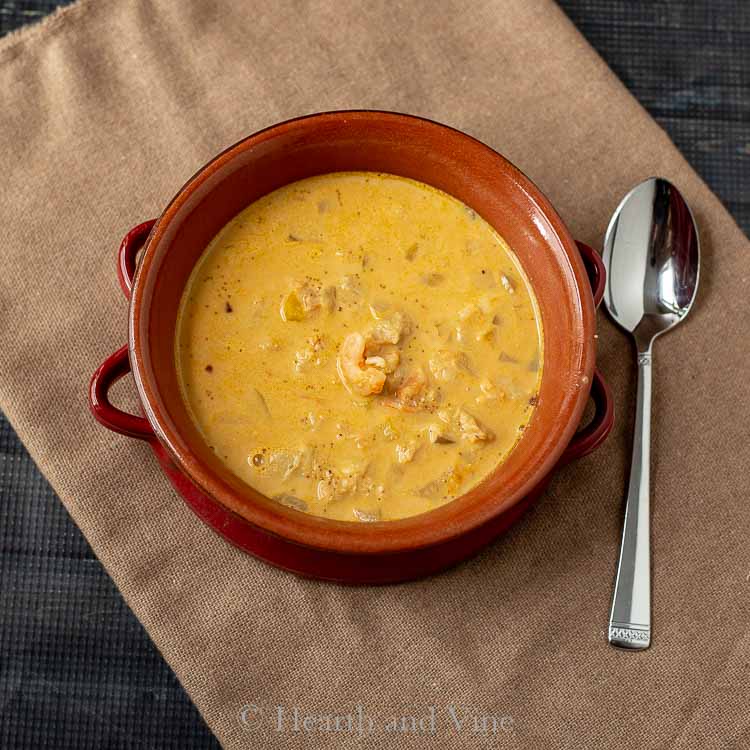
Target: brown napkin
x=108, y=108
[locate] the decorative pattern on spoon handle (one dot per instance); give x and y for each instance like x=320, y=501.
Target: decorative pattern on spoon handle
x=630, y=619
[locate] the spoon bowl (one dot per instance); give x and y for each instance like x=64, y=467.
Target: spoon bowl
x=652, y=256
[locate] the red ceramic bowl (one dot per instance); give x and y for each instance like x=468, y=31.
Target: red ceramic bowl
x=568, y=280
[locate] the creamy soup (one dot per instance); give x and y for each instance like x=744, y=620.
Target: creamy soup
x=359, y=346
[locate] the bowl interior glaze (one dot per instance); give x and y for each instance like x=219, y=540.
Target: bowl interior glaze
x=406, y=146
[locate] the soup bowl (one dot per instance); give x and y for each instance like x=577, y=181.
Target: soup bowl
x=567, y=279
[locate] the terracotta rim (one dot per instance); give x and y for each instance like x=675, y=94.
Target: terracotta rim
x=442, y=524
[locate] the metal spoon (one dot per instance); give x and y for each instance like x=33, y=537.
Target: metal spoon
x=652, y=255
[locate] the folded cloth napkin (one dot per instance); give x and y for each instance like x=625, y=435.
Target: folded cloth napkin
x=108, y=108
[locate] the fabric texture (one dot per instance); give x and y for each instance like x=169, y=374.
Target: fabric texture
x=108, y=109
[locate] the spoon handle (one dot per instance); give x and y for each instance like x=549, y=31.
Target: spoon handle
x=630, y=619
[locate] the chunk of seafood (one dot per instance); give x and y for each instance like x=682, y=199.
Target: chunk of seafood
x=406, y=452
x=281, y=463
x=358, y=377
x=312, y=354
x=334, y=484
x=326, y=489
x=489, y=392
x=408, y=395
x=385, y=356
x=389, y=330
x=309, y=292
x=444, y=365
x=471, y=430
x=349, y=477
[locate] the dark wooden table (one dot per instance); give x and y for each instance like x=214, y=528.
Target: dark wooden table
x=76, y=668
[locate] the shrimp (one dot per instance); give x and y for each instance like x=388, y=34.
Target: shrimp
x=385, y=356
x=358, y=376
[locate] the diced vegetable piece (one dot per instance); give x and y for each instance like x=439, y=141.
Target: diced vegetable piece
x=291, y=308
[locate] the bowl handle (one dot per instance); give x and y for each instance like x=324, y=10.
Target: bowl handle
x=131, y=243
x=106, y=375
x=595, y=270
x=595, y=433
